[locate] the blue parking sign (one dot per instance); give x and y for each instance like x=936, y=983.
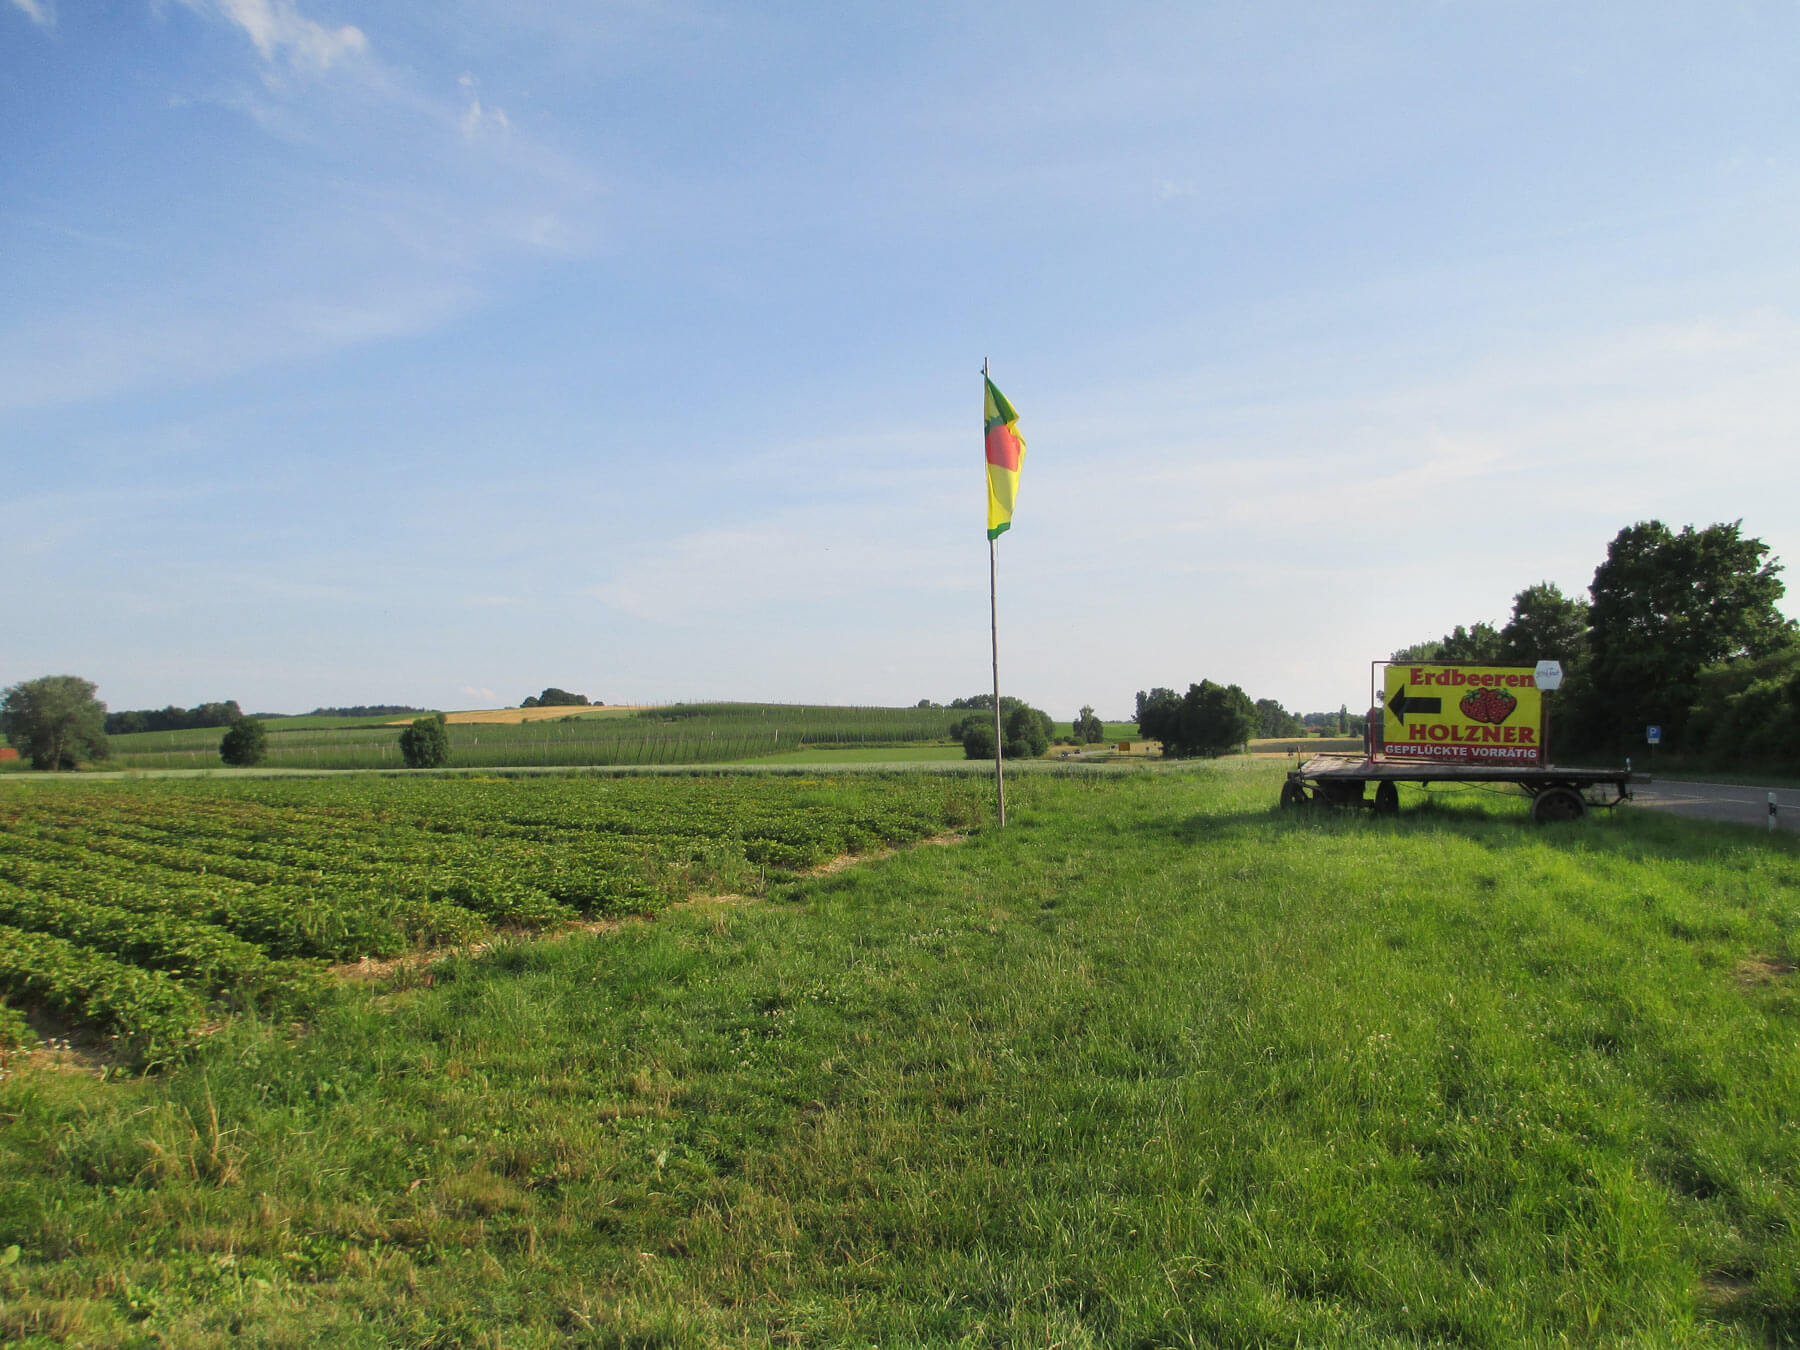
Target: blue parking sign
x=1653, y=735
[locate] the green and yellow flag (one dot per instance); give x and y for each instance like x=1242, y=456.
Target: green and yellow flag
x=1005, y=457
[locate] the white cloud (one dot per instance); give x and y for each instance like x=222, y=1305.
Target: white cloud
x=40, y=12
x=474, y=116
x=279, y=31
x=423, y=193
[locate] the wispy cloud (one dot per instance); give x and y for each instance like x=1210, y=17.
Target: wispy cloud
x=40, y=12
x=383, y=213
x=282, y=33
x=474, y=116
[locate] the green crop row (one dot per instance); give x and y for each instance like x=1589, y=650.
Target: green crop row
x=235, y=891
x=150, y=1012
x=195, y=952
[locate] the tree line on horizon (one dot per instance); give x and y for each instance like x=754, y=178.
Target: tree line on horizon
x=1679, y=631
x=559, y=698
x=1213, y=719
x=227, y=712
x=172, y=718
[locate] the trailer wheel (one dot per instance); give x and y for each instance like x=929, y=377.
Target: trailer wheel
x=1557, y=803
x=1292, y=794
x=1387, y=799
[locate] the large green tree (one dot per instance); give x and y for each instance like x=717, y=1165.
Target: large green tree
x=1087, y=727
x=1476, y=645
x=56, y=720
x=1546, y=625
x=1274, y=720
x=1215, y=719
x=1665, y=606
x=1748, y=711
x=1210, y=719
x=1157, y=713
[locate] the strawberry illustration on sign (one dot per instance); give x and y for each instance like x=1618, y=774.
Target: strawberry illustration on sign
x=1492, y=706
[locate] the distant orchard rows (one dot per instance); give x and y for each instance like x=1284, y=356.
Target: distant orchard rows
x=684, y=734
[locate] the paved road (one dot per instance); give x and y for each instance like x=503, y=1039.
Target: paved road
x=1720, y=801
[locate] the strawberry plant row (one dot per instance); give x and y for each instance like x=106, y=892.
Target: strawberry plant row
x=153, y=1015
x=232, y=891
x=198, y=953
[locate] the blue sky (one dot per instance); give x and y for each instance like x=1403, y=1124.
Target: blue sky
x=437, y=352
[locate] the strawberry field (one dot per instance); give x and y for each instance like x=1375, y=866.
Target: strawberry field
x=149, y=909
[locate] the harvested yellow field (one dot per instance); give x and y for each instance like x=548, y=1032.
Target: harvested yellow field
x=513, y=716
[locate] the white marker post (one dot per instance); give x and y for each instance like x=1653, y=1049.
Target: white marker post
x=1548, y=678
x=1772, y=813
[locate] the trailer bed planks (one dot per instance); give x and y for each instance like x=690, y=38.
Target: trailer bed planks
x=1556, y=793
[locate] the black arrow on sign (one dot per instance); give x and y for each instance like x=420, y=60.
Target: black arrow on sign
x=1401, y=705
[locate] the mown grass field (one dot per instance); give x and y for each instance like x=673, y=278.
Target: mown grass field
x=1156, y=1065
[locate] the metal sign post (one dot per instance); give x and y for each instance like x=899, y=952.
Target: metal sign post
x=1548, y=677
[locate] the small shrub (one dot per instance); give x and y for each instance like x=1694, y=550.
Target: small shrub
x=426, y=743
x=245, y=744
x=1027, y=730
x=978, y=738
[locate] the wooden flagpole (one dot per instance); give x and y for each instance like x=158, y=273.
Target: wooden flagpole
x=994, y=632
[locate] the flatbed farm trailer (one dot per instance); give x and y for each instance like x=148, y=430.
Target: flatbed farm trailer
x=1556, y=793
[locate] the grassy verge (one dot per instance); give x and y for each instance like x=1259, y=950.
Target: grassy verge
x=1156, y=1065
x=878, y=754
x=1113, y=731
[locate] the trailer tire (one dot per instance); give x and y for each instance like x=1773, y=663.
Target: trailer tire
x=1557, y=803
x=1292, y=794
x=1387, y=799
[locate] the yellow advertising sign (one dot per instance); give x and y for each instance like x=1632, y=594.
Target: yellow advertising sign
x=1462, y=714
